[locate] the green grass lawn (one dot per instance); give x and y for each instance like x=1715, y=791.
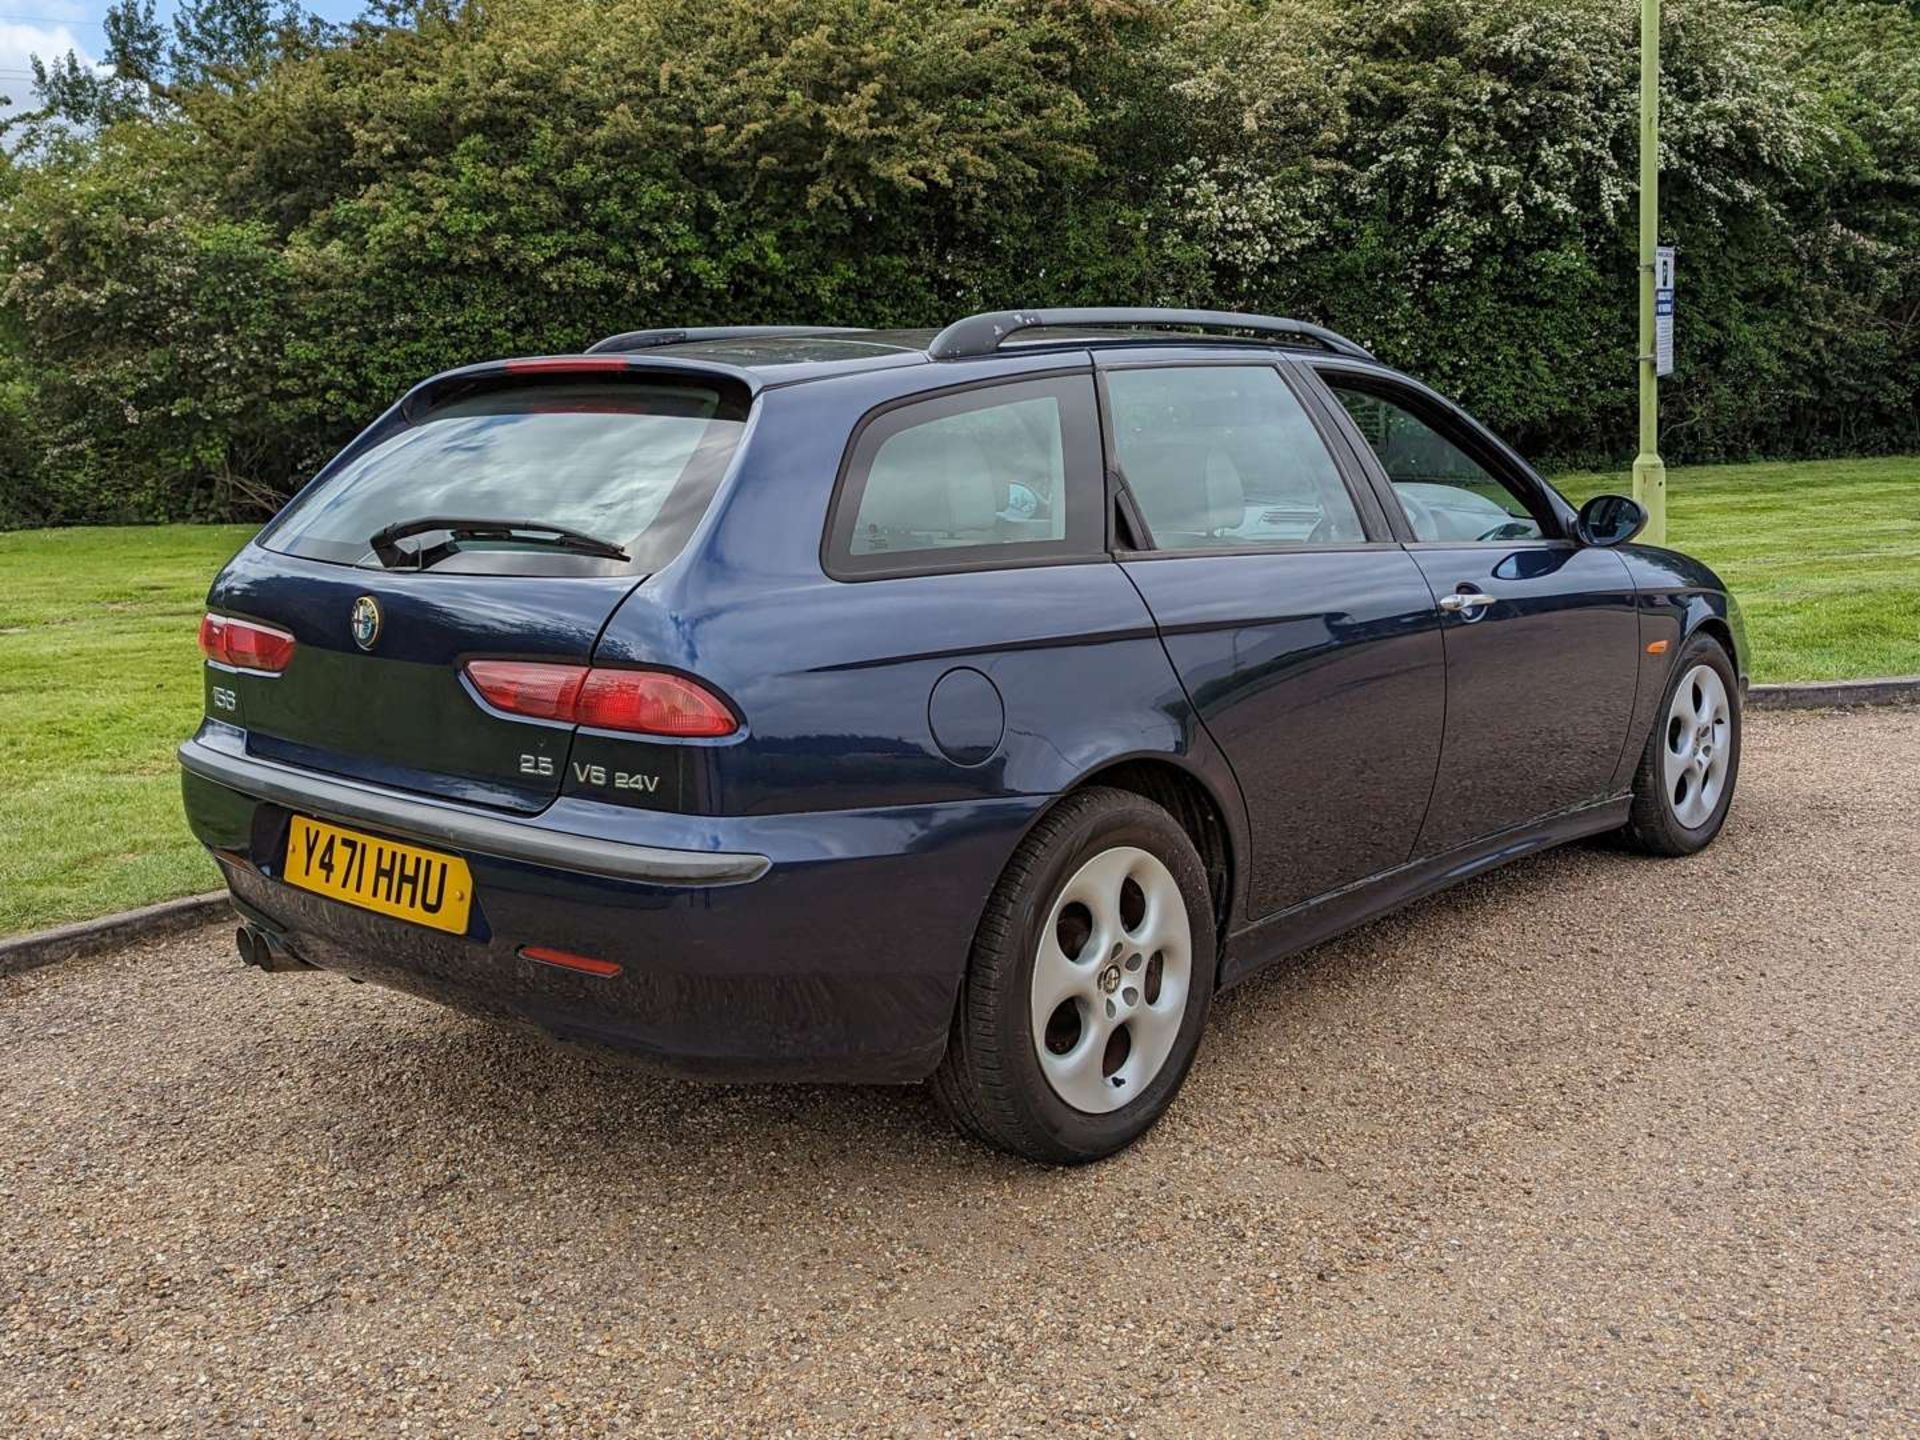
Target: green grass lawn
x=99, y=674
x=1824, y=557
x=99, y=680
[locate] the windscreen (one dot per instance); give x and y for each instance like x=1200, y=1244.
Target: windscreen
x=632, y=464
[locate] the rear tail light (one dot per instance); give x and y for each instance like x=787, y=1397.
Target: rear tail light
x=652, y=702
x=640, y=702
x=546, y=692
x=244, y=645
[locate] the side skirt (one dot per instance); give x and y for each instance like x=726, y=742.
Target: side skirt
x=1277, y=936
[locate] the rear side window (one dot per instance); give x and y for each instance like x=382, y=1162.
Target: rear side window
x=1224, y=456
x=633, y=464
x=1003, y=474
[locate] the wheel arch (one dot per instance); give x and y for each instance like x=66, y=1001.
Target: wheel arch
x=1716, y=614
x=1675, y=618
x=1194, y=805
x=1717, y=628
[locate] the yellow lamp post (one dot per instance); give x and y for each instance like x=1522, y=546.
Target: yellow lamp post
x=1649, y=471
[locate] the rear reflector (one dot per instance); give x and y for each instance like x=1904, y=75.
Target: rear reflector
x=638, y=702
x=567, y=960
x=244, y=645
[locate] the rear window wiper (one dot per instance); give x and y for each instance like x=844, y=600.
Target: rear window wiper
x=531, y=532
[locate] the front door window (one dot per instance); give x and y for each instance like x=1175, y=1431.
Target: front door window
x=1448, y=496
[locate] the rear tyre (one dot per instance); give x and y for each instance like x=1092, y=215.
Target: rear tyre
x=1088, y=987
x=1687, y=773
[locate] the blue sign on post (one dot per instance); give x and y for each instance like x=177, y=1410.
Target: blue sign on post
x=1663, y=310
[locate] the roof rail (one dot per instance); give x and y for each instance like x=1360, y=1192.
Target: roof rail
x=983, y=334
x=648, y=339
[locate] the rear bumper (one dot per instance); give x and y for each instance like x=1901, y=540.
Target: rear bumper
x=837, y=958
x=413, y=817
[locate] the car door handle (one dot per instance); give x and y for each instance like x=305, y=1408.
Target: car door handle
x=1465, y=600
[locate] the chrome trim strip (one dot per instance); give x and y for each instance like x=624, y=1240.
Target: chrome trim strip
x=417, y=818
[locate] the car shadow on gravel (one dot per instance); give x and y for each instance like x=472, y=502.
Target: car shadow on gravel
x=1407, y=940
x=525, y=1098
x=527, y=1101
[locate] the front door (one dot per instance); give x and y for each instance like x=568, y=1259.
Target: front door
x=1305, y=636
x=1542, y=635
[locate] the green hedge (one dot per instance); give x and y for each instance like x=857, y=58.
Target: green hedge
x=200, y=302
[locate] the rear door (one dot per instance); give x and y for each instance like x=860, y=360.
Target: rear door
x=956, y=632
x=375, y=689
x=1542, y=636
x=1304, y=634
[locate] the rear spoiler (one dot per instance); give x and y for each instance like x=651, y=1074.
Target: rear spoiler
x=437, y=386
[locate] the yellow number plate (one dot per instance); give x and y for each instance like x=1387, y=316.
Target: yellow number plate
x=411, y=884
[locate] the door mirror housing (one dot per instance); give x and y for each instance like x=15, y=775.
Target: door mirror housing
x=1608, y=520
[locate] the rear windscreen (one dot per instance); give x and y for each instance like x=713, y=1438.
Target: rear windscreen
x=632, y=464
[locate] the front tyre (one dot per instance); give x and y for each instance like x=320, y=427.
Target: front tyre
x=1089, y=984
x=1685, y=781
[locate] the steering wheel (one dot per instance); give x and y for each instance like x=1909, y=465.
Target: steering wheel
x=1511, y=530
x=1425, y=527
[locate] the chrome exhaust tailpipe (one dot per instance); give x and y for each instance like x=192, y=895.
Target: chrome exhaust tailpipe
x=266, y=951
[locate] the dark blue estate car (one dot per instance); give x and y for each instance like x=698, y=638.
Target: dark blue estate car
x=848, y=705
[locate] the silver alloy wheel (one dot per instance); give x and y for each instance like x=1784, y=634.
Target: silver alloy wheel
x=1110, y=979
x=1698, y=746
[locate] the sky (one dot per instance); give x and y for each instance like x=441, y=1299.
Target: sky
x=47, y=28
x=50, y=28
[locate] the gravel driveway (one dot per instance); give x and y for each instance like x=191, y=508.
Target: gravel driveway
x=1594, y=1146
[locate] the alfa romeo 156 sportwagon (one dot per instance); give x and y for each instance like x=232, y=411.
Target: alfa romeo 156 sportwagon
x=804, y=703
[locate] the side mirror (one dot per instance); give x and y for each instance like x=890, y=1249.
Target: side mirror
x=1607, y=520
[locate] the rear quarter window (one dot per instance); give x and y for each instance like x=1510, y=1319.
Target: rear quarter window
x=1004, y=474
x=633, y=463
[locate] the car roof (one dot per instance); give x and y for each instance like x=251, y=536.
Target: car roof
x=786, y=354
x=790, y=359
x=783, y=359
